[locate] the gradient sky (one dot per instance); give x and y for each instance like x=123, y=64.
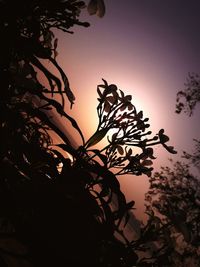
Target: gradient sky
x=147, y=48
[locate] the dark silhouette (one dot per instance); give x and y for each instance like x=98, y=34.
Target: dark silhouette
x=188, y=99
x=173, y=199
x=59, y=210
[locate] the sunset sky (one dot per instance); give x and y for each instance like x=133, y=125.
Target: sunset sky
x=147, y=48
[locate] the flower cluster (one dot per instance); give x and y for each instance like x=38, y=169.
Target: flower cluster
x=129, y=130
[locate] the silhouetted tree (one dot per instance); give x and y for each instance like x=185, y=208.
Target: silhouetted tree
x=188, y=99
x=174, y=196
x=62, y=206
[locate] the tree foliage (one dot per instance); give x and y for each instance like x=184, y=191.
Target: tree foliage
x=174, y=196
x=60, y=205
x=188, y=99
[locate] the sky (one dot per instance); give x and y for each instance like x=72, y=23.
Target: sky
x=147, y=48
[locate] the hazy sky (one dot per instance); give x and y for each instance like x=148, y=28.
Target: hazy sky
x=147, y=48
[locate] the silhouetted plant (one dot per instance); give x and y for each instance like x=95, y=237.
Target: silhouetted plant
x=190, y=96
x=117, y=113
x=174, y=198
x=193, y=158
x=58, y=209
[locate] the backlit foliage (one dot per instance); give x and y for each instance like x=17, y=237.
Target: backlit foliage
x=58, y=208
x=174, y=197
x=188, y=99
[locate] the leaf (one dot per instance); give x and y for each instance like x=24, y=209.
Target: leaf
x=66, y=148
x=70, y=95
x=107, y=107
x=128, y=98
x=67, y=88
x=110, y=180
x=129, y=152
x=120, y=150
x=96, y=138
x=50, y=77
x=164, y=138
x=61, y=111
x=123, y=107
x=111, y=99
x=130, y=204
x=123, y=207
x=130, y=106
x=140, y=115
x=170, y=149
x=102, y=157
x=105, y=84
x=59, y=155
x=112, y=88
x=114, y=137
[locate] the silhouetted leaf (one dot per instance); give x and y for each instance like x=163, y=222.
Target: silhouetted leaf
x=102, y=157
x=67, y=88
x=111, y=180
x=66, y=148
x=111, y=99
x=130, y=204
x=114, y=136
x=96, y=138
x=107, y=106
x=120, y=150
x=171, y=149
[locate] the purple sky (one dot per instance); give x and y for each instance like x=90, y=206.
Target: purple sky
x=147, y=48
